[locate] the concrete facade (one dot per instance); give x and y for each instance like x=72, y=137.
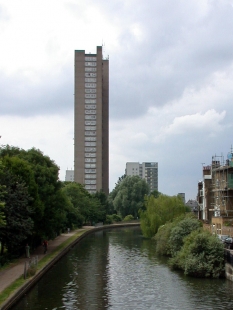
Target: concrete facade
x=146, y=170
x=69, y=176
x=91, y=121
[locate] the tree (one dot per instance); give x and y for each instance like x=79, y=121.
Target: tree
x=16, y=211
x=107, y=208
x=2, y=193
x=128, y=195
x=85, y=207
x=21, y=167
x=159, y=211
x=44, y=186
x=155, y=193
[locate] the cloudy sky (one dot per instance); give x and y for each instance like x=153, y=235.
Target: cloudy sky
x=171, y=81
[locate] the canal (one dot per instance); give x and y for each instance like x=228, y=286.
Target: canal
x=117, y=269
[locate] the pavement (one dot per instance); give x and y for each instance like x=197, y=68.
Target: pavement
x=16, y=268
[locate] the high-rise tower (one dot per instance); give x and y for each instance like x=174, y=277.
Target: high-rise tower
x=91, y=121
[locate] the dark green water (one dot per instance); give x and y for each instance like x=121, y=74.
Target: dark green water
x=117, y=269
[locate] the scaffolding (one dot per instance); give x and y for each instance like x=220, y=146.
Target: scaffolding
x=222, y=186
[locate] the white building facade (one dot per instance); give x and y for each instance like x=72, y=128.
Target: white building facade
x=145, y=170
x=69, y=176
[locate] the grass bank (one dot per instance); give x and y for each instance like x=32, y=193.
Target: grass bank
x=17, y=284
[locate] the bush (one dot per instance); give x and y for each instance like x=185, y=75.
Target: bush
x=128, y=218
x=116, y=218
x=113, y=218
x=108, y=220
x=181, y=230
x=202, y=255
x=162, y=239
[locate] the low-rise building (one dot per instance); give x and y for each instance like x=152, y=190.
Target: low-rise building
x=193, y=205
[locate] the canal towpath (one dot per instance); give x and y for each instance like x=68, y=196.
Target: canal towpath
x=16, y=269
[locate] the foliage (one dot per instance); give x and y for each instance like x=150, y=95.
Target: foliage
x=108, y=220
x=32, y=196
x=128, y=195
x=40, y=175
x=181, y=230
x=113, y=218
x=155, y=193
x=2, y=193
x=159, y=211
x=202, y=255
x=106, y=206
x=128, y=218
x=83, y=207
x=116, y=218
x=17, y=212
x=162, y=239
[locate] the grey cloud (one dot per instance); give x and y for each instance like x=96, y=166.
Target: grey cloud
x=24, y=98
x=192, y=47
x=180, y=48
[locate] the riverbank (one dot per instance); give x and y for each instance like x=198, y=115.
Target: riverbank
x=12, y=284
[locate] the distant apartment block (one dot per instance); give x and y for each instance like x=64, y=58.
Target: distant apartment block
x=91, y=121
x=146, y=170
x=69, y=176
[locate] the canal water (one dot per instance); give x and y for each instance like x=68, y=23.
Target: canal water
x=117, y=269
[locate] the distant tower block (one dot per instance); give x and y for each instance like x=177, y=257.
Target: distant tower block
x=146, y=170
x=91, y=121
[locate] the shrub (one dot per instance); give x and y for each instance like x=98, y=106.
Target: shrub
x=113, y=218
x=116, y=218
x=128, y=218
x=162, y=239
x=109, y=220
x=202, y=255
x=181, y=230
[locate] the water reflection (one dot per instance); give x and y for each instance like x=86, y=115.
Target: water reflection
x=118, y=269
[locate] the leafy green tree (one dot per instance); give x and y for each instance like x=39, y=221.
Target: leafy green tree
x=114, y=192
x=128, y=195
x=202, y=255
x=159, y=211
x=155, y=193
x=17, y=212
x=24, y=169
x=87, y=207
x=2, y=193
x=50, y=210
x=106, y=206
